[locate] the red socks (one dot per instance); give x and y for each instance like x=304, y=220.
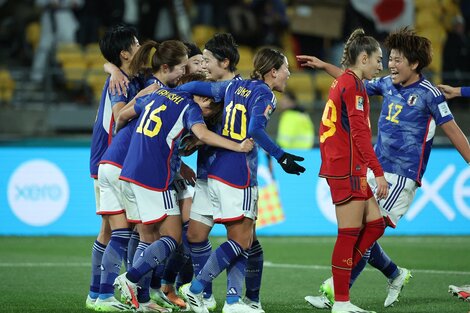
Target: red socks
x=371, y=232
x=342, y=261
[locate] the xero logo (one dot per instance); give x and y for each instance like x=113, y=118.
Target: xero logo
x=38, y=192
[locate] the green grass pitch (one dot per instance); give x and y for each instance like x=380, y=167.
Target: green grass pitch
x=51, y=274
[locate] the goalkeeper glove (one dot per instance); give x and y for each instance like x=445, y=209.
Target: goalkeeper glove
x=288, y=164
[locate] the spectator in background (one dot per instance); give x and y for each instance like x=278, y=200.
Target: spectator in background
x=58, y=25
x=295, y=130
x=272, y=20
x=456, y=63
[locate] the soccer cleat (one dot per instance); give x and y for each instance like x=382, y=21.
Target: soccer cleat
x=195, y=301
x=328, y=290
x=347, y=307
x=319, y=302
x=152, y=307
x=239, y=307
x=161, y=299
x=128, y=290
x=253, y=304
x=111, y=304
x=462, y=292
x=169, y=292
x=90, y=303
x=210, y=303
x=396, y=285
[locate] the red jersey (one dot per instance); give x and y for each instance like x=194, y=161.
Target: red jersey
x=345, y=135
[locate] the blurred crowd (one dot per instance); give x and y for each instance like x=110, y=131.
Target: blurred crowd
x=30, y=30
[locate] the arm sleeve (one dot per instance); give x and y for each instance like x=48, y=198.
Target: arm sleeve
x=214, y=90
x=373, y=87
x=257, y=126
x=438, y=107
x=192, y=116
x=465, y=91
x=360, y=130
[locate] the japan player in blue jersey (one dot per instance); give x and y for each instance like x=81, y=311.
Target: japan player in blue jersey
x=248, y=105
x=412, y=107
x=221, y=57
x=175, y=55
x=150, y=167
x=118, y=46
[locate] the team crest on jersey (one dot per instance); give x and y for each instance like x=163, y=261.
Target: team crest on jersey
x=359, y=103
x=412, y=100
x=268, y=111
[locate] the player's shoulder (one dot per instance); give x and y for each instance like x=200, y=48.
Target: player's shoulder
x=425, y=87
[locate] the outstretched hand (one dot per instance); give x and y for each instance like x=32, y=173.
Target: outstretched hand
x=289, y=164
x=310, y=61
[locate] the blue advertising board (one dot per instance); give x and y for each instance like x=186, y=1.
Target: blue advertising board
x=48, y=191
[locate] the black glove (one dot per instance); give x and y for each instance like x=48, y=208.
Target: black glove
x=288, y=164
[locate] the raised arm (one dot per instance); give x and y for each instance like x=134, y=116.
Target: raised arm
x=118, y=82
x=316, y=63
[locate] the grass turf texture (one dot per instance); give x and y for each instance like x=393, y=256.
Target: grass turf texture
x=51, y=274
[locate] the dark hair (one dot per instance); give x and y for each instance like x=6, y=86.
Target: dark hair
x=265, y=59
x=223, y=46
x=358, y=42
x=415, y=48
x=116, y=39
x=169, y=52
x=192, y=49
x=186, y=78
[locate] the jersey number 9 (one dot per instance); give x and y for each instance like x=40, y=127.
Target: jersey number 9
x=329, y=119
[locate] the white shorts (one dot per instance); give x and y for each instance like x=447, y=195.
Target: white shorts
x=96, y=187
x=400, y=196
x=183, y=189
x=110, y=189
x=148, y=206
x=201, y=209
x=230, y=203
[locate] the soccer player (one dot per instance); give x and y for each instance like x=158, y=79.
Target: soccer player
x=149, y=169
x=248, y=105
x=411, y=109
x=118, y=46
x=346, y=153
x=221, y=57
x=175, y=56
x=179, y=267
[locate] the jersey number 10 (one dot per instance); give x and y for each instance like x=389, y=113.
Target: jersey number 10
x=230, y=117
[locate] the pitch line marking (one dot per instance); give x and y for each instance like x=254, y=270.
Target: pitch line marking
x=267, y=264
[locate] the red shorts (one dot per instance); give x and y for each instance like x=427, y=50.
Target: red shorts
x=350, y=188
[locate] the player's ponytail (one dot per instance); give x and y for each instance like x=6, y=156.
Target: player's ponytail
x=142, y=62
x=266, y=59
x=357, y=42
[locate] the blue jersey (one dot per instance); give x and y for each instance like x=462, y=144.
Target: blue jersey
x=153, y=153
x=104, y=121
x=117, y=150
x=248, y=104
x=206, y=154
x=102, y=131
x=407, y=124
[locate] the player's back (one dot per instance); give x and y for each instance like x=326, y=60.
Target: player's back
x=160, y=124
x=340, y=155
x=241, y=96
